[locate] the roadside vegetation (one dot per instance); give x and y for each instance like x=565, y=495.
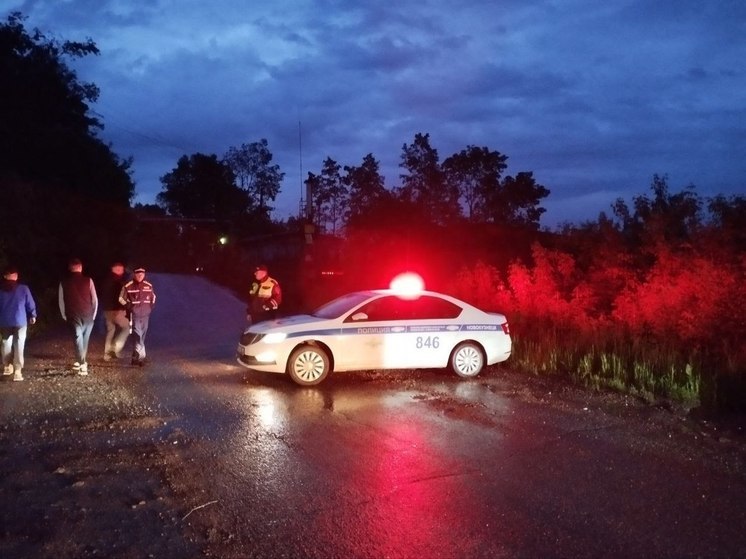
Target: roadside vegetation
x=661, y=323
x=647, y=299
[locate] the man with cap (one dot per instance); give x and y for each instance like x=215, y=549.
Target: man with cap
x=17, y=311
x=265, y=296
x=138, y=297
x=78, y=306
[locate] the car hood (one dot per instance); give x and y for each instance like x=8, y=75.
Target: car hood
x=284, y=322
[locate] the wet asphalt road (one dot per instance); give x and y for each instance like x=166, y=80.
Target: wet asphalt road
x=423, y=464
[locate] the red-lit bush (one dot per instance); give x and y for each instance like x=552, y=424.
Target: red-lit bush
x=683, y=302
x=481, y=286
x=662, y=331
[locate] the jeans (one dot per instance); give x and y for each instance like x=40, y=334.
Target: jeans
x=81, y=329
x=139, y=329
x=13, y=341
x=117, y=331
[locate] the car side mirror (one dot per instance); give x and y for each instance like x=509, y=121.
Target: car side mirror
x=359, y=316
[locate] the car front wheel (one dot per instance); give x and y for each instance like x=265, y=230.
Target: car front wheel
x=467, y=360
x=308, y=365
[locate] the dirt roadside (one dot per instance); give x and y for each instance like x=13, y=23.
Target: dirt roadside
x=83, y=462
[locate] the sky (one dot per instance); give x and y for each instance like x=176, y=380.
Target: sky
x=592, y=97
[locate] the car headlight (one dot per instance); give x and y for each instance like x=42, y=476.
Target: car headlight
x=274, y=337
x=248, y=338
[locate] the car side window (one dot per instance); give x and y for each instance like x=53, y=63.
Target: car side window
x=392, y=308
x=427, y=307
x=383, y=309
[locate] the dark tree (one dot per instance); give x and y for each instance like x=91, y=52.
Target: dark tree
x=517, y=201
x=424, y=186
x=369, y=199
x=148, y=210
x=726, y=228
x=203, y=187
x=476, y=173
x=252, y=166
x=666, y=217
x=329, y=196
x=65, y=191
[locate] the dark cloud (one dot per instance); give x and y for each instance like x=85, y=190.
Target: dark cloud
x=594, y=98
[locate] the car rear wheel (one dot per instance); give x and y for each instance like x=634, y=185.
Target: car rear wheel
x=308, y=365
x=467, y=360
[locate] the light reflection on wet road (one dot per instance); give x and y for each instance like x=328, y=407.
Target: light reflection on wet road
x=417, y=465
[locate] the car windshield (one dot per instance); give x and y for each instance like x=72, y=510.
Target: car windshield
x=341, y=305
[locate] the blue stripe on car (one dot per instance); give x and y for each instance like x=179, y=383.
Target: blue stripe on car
x=362, y=330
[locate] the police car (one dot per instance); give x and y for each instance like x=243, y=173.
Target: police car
x=378, y=329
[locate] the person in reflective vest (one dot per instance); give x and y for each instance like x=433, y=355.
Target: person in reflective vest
x=138, y=297
x=265, y=296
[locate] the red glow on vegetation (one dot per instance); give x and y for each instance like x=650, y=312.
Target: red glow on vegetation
x=407, y=284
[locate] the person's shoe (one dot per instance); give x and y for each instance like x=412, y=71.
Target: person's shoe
x=76, y=367
x=107, y=356
x=17, y=376
x=8, y=369
x=83, y=369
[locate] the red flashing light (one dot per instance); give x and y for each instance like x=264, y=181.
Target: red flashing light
x=407, y=285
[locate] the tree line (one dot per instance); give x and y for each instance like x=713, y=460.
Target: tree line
x=239, y=188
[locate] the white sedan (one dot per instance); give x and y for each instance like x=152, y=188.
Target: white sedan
x=378, y=329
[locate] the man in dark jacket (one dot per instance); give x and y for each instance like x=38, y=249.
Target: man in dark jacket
x=78, y=306
x=115, y=313
x=17, y=311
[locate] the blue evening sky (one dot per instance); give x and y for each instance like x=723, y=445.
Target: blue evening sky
x=593, y=97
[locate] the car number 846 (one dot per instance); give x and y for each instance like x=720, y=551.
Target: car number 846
x=427, y=342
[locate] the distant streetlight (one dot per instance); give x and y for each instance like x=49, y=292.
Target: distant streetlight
x=223, y=240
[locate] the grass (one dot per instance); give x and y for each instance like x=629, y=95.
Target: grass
x=650, y=374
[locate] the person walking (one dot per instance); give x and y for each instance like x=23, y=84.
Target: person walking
x=78, y=306
x=265, y=296
x=138, y=297
x=17, y=311
x=115, y=313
